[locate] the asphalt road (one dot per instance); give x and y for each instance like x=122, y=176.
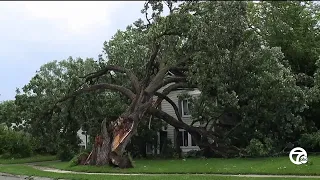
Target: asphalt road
x=9, y=178
x=4, y=176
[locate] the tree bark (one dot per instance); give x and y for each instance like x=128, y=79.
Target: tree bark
x=109, y=147
x=101, y=149
x=104, y=149
x=101, y=153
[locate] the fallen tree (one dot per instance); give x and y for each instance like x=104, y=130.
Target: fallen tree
x=109, y=146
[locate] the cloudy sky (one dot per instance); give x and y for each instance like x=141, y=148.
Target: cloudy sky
x=34, y=33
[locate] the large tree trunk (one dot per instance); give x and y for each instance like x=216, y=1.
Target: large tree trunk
x=101, y=153
x=109, y=147
x=126, y=125
x=101, y=149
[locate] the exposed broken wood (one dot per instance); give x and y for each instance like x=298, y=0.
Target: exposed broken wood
x=101, y=149
x=101, y=153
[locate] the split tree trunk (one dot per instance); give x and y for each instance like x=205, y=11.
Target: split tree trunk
x=101, y=149
x=101, y=153
x=109, y=147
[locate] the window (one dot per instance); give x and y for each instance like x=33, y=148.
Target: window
x=183, y=138
x=185, y=107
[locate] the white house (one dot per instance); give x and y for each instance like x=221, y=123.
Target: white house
x=84, y=138
x=186, y=142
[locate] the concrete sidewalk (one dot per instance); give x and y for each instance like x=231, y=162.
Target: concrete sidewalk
x=144, y=174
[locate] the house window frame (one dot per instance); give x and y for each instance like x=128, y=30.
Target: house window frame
x=189, y=140
x=182, y=109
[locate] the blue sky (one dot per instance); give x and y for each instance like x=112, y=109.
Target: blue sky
x=34, y=33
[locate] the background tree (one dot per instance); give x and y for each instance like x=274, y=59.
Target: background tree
x=59, y=129
x=293, y=26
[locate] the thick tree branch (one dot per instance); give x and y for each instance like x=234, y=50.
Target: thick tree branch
x=176, y=109
x=218, y=146
x=171, y=80
x=158, y=85
x=159, y=80
x=175, y=86
x=180, y=124
x=170, y=88
x=152, y=65
x=153, y=55
x=194, y=121
x=153, y=85
x=102, y=86
x=133, y=78
x=96, y=87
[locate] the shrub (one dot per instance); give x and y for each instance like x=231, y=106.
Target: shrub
x=258, y=148
x=194, y=154
x=76, y=160
x=68, y=144
x=66, y=153
x=168, y=149
x=310, y=141
x=15, y=144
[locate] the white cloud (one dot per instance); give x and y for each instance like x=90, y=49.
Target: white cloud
x=73, y=17
x=34, y=33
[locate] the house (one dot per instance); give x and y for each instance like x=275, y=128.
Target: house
x=83, y=139
x=185, y=140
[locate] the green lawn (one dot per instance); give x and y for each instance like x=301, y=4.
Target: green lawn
x=279, y=165
x=29, y=171
x=38, y=158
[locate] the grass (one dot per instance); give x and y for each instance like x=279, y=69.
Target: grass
x=29, y=171
x=38, y=158
x=278, y=165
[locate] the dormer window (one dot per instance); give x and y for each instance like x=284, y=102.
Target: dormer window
x=185, y=108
